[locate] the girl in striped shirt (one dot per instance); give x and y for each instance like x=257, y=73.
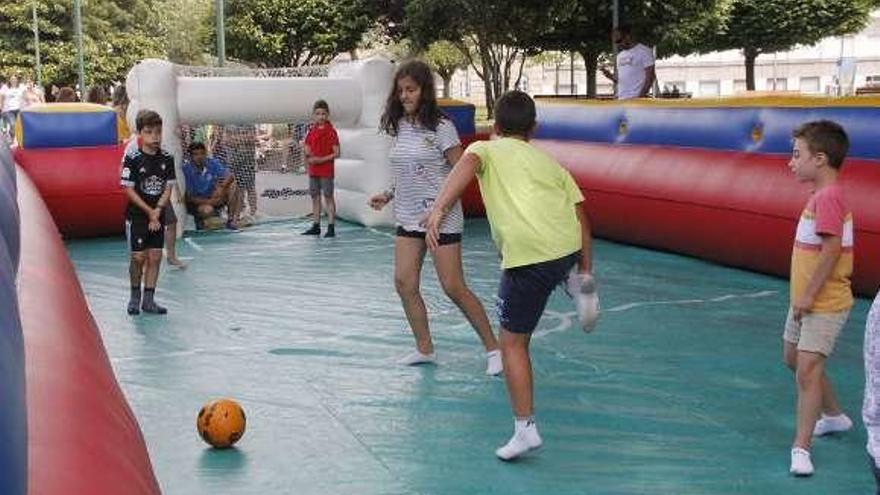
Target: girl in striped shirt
x=424, y=146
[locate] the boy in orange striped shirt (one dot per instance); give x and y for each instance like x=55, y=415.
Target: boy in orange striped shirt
x=821, y=297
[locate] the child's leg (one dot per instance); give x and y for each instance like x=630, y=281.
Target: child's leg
x=171, y=245
x=409, y=254
x=518, y=372
x=447, y=262
x=151, y=275
x=135, y=273
x=810, y=373
x=327, y=192
x=331, y=208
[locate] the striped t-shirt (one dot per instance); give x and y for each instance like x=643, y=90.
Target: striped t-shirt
x=826, y=214
x=418, y=169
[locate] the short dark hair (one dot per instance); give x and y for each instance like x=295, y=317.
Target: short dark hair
x=321, y=104
x=515, y=113
x=197, y=145
x=826, y=137
x=147, y=118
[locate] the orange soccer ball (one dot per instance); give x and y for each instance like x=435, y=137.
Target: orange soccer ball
x=221, y=423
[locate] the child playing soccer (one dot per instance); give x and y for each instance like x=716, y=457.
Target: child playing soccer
x=538, y=222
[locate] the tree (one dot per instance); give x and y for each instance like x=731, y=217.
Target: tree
x=186, y=39
x=767, y=26
x=584, y=27
x=281, y=33
x=494, y=37
x=116, y=34
x=445, y=59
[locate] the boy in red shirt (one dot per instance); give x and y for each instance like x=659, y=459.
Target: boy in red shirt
x=321, y=148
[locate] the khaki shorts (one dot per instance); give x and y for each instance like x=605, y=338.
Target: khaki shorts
x=817, y=332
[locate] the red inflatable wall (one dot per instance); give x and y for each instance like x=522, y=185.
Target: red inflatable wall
x=735, y=208
x=80, y=187
x=83, y=437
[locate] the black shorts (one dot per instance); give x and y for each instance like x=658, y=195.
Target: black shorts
x=444, y=240
x=141, y=238
x=524, y=290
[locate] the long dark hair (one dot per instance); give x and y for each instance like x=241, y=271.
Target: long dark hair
x=428, y=115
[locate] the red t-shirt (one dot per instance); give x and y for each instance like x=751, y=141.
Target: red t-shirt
x=321, y=141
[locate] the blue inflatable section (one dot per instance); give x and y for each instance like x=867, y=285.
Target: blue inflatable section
x=763, y=129
x=13, y=413
x=462, y=115
x=42, y=129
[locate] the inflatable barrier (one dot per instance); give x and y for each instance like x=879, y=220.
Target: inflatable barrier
x=82, y=437
x=71, y=151
x=710, y=179
x=13, y=415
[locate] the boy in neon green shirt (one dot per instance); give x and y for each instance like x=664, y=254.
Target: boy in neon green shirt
x=538, y=222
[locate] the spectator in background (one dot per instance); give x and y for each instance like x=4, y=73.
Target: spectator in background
x=11, y=100
x=66, y=95
x=635, y=66
x=120, y=106
x=96, y=94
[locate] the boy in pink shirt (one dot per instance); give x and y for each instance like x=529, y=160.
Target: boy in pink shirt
x=821, y=297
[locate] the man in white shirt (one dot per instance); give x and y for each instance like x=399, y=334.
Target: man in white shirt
x=635, y=66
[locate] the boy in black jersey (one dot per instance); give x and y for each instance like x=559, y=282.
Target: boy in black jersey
x=148, y=176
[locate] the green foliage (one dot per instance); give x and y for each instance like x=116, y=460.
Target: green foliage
x=117, y=33
x=767, y=26
x=281, y=33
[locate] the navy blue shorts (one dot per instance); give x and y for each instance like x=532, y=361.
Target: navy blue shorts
x=524, y=290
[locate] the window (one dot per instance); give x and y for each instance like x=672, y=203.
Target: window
x=810, y=85
x=739, y=86
x=710, y=88
x=778, y=84
x=873, y=80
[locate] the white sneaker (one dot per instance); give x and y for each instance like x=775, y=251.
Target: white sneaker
x=494, y=366
x=522, y=441
x=581, y=287
x=801, y=465
x=415, y=358
x=832, y=424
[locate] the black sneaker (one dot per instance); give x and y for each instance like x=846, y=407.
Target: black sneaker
x=153, y=308
x=133, y=308
x=331, y=231
x=315, y=230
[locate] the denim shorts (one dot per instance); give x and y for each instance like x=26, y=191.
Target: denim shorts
x=524, y=290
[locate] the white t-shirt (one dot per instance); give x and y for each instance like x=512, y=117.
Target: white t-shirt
x=12, y=97
x=631, y=65
x=418, y=168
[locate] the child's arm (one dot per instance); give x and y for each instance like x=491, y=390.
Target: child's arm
x=586, y=263
x=831, y=249
x=140, y=203
x=462, y=174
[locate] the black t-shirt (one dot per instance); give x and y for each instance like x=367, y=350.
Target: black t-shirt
x=149, y=175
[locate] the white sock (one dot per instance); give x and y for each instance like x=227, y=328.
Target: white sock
x=494, y=365
x=525, y=438
x=416, y=357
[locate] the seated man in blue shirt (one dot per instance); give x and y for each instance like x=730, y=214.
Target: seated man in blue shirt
x=209, y=187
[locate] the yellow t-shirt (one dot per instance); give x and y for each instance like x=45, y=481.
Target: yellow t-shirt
x=529, y=201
